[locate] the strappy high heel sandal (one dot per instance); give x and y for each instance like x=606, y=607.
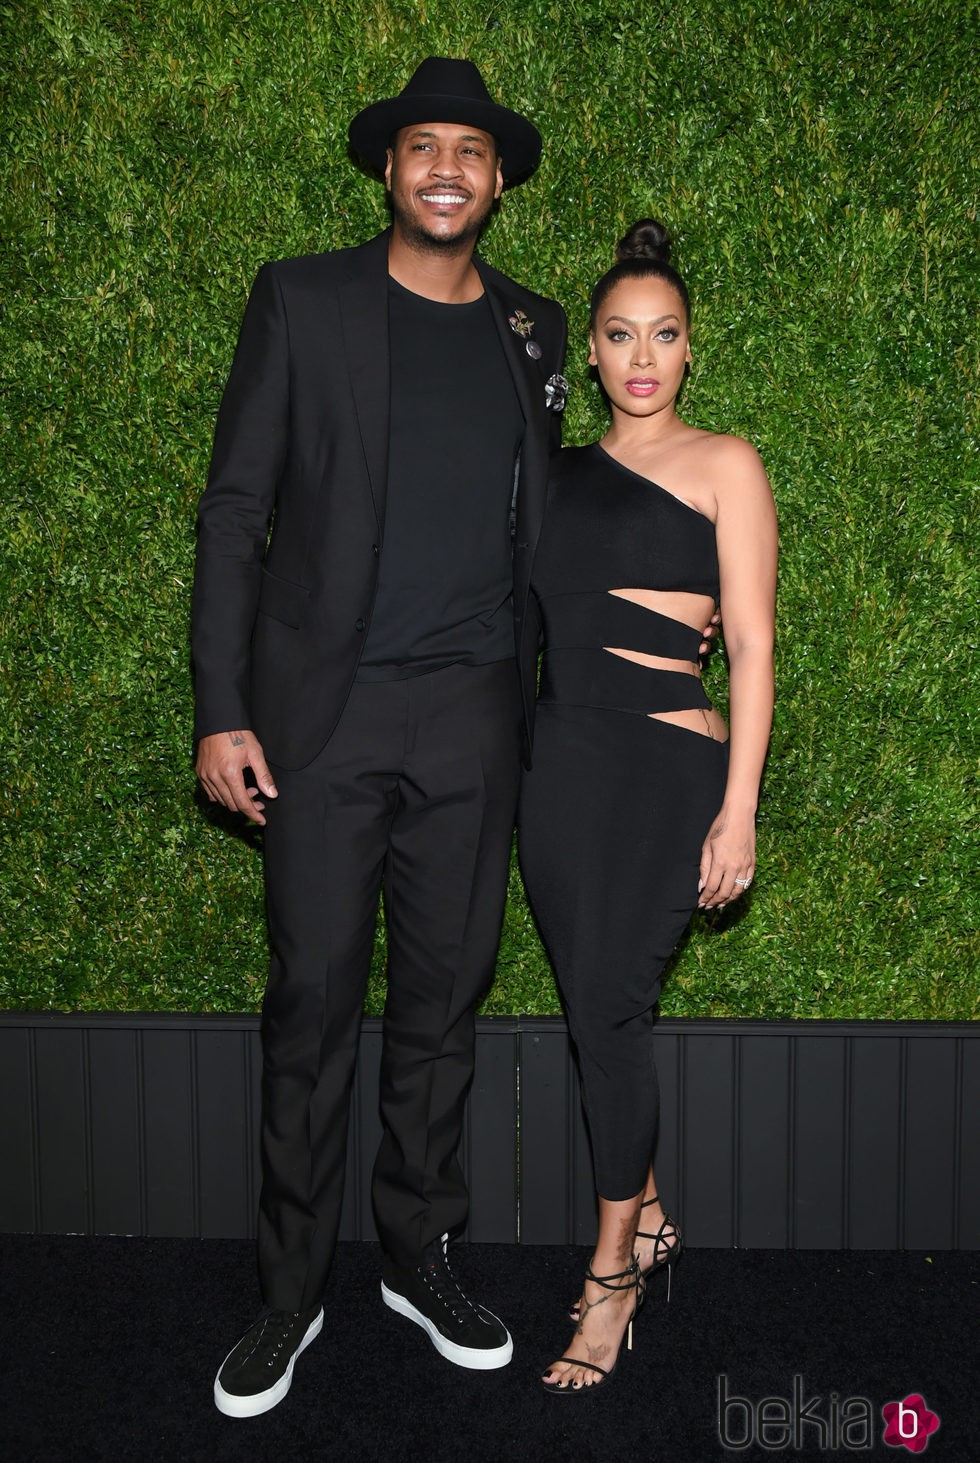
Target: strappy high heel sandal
x=628, y=1279
x=667, y=1245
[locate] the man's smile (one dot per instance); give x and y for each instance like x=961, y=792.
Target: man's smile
x=444, y=198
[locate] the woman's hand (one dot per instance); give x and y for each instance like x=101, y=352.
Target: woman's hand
x=727, y=859
x=708, y=635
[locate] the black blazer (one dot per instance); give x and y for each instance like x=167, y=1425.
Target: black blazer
x=280, y=617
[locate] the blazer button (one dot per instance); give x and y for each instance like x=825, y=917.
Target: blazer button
x=375, y=550
x=358, y=624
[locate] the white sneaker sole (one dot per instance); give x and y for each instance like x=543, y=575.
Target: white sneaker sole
x=234, y=1406
x=473, y=1357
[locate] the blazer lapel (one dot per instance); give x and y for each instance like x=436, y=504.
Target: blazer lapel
x=532, y=471
x=527, y=378
x=364, y=325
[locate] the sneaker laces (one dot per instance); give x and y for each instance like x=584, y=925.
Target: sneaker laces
x=272, y=1335
x=440, y=1280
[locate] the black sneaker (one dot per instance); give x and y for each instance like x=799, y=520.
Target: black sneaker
x=429, y=1295
x=259, y=1371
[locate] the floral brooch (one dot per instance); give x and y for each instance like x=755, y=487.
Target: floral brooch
x=522, y=326
x=556, y=387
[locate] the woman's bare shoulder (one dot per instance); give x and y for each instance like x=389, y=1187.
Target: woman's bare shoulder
x=726, y=450
x=728, y=463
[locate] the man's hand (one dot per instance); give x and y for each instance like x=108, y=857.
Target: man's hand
x=709, y=632
x=221, y=762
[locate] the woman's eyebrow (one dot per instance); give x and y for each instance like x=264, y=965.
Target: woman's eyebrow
x=627, y=321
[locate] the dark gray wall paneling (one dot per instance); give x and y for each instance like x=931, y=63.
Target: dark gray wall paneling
x=764, y=1156
x=773, y=1134
x=818, y=1143
x=967, y=1148
x=116, y=1132
x=709, y=1140
x=872, y=1157
x=19, y=1200
x=223, y=1133
x=63, y=1133
x=170, y=1156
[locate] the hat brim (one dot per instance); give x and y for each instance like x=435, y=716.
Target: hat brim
x=518, y=140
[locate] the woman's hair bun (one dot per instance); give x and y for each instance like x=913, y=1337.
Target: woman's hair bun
x=643, y=252
x=646, y=239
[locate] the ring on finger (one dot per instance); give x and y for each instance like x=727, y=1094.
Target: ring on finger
x=744, y=883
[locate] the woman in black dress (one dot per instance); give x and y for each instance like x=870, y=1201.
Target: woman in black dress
x=639, y=806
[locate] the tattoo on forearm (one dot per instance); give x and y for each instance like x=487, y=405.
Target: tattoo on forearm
x=237, y=739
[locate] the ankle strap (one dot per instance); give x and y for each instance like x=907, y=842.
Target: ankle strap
x=606, y=1281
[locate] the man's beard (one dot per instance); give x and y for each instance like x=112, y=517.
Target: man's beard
x=419, y=238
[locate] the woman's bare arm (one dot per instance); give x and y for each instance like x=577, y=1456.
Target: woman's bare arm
x=746, y=537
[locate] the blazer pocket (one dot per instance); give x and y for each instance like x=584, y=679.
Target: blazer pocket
x=282, y=600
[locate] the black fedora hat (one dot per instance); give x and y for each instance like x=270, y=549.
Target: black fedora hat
x=447, y=90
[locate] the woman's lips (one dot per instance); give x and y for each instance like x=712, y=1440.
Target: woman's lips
x=642, y=386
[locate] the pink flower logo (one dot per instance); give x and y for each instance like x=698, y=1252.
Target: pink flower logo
x=910, y=1423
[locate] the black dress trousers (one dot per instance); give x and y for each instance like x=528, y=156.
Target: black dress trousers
x=416, y=791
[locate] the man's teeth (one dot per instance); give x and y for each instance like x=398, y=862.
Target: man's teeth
x=444, y=197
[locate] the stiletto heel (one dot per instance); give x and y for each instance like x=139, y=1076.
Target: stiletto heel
x=672, y=1243
x=629, y=1279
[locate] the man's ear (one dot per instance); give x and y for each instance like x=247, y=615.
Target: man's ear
x=500, y=179
x=389, y=159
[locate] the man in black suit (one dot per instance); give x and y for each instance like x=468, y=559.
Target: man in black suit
x=364, y=643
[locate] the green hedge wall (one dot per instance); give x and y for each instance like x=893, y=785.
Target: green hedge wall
x=816, y=162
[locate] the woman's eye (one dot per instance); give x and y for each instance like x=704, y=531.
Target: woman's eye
x=618, y=335
x=668, y=333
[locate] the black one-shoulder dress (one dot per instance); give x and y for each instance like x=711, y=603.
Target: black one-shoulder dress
x=617, y=805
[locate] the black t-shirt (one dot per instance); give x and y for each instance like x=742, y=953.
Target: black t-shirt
x=444, y=591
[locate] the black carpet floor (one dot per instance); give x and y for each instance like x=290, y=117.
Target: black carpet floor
x=108, y=1349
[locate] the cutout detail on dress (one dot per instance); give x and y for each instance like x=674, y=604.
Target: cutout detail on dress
x=704, y=722
x=656, y=662
x=685, y=606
